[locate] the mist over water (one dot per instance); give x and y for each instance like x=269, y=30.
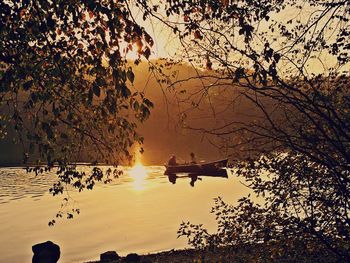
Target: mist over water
x=138, y=212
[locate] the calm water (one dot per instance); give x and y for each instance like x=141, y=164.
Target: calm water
x=139, y=212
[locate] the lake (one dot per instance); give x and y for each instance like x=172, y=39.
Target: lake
x=139, y=212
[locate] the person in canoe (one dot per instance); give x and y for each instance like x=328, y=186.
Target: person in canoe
x=193, y=158
x=172, y=160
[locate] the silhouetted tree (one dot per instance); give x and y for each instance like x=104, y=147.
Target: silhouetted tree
x=65, y=84
x=290, y=60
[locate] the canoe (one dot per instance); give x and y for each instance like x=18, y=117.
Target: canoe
x=199, y=168
x=197, y=176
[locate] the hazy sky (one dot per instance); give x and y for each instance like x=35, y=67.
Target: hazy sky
x=162, y=131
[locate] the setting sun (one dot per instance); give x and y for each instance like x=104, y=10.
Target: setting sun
x=138, y=173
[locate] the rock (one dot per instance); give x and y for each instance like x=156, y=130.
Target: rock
x=132, y=258
x=109, y=256
x=47, y=252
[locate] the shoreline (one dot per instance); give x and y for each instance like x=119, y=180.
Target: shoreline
x=273, y=251
x=180, y=255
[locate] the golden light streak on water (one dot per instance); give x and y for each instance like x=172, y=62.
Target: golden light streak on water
x=139, y=174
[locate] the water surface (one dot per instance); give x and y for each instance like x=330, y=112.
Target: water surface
x=139, y=212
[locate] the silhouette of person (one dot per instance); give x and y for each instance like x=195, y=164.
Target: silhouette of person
x=193, y=158
x=172, y=160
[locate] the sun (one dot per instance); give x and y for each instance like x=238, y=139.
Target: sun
x=138, y=173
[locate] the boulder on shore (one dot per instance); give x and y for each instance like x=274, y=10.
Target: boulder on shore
x=132, y=258
x=47, y=252
x=109, y=256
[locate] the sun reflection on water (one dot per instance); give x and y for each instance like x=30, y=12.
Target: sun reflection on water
x=138, y=173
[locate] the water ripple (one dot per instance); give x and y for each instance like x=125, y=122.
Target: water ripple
x=16, y=183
